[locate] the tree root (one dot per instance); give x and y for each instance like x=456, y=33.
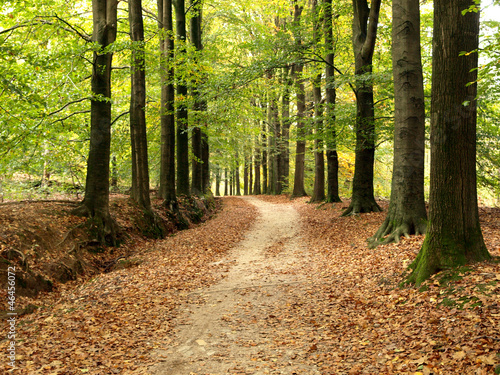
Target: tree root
x=394, y=228
x=359, y=207
x=100, y=224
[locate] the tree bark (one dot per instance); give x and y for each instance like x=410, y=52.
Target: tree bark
x=285, y=126
x=256, y=186
x=407, y=214
x=167, y=106
x=300, y=150
x=197, y=186
x=332, y=159
x=226, y=182
x=250, y=175
x=318, y=194
x=364, y=27
x=95, y=205
x=245, y=177
x=139, y=142
x=264, y=156
x=454, y=235
x=182, y=110
x=217, y=180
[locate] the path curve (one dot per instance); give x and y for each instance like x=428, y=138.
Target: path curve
x=221, y=334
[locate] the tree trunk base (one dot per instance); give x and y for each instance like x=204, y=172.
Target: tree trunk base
x=432, y=259
x=361, y=206
x=395, y=227
x=100, y=224
x=172, y=207
x=335, y=199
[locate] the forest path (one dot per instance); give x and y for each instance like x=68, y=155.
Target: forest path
x=230, y=327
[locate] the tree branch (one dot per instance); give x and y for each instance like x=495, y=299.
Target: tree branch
x=369, y=45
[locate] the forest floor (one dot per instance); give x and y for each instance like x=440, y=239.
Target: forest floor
x=269, y=286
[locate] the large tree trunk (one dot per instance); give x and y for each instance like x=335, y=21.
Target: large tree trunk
x=182, y=110
x=454, y=235
x=364, y=27
x=300, y=150
x=139, y=142
x=318, y=194
x=167, y=110
x=96, y=202
x=332, y=159
x=197, y=186
x=407, y=214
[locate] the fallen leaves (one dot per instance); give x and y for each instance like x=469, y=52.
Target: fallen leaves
x=347, y=317
x=113, y=322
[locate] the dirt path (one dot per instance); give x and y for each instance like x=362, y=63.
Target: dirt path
x=222, y=330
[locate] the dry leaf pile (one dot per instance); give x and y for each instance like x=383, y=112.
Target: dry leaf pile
x=352, y=318
x=345, y=314
x=112, y=323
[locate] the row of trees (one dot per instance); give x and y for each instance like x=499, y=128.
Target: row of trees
x=242, y=83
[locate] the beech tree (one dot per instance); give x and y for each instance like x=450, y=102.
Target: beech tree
x=139, y=141
x=95, y=205
x=407, y=214
x=332, y=159
x=318, y=194
x=454, y=234
x=198, y=137
x=182, y=109
x=300, y=149
x=167, y=110
x=364, y=34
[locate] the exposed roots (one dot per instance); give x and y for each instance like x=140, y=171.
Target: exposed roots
x=174, y=213
x=100, y=224
x=152, y=225
x=393, y=229
x=360, y=207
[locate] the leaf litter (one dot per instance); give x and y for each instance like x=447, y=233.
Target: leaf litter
x=344, y=315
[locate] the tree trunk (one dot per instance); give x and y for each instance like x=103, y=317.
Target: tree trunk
x=245, y=177
x=199, y=105
x=95, y=205
x=182, y=110
x=300, y=150
x=285, y=118
x=454, y=235
x=318, y=194
x=250, y=175
x=237, y=175
x=364, y=29
x=264, y=158
x=167, y=109
x=406, y=214
x=256, y=186
x=332, y=159
x=139, y=142
x=226, y=183
x=217, y=181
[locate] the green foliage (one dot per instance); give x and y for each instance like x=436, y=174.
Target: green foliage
x=45, y=69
